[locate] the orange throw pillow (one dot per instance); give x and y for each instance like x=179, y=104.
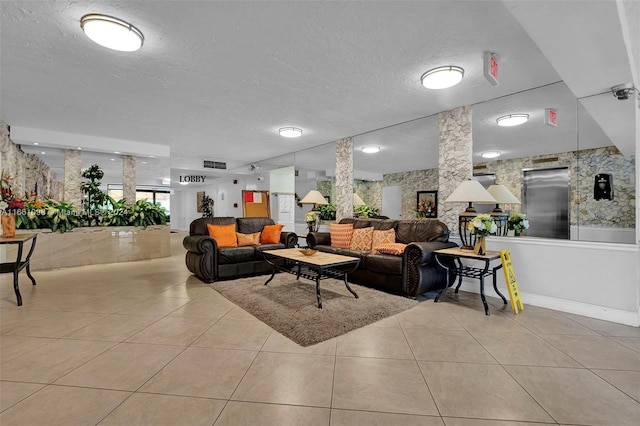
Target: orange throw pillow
x=248, y=239
x=362, y=239
x=271, y=234
x=225, y=235
x=397, y=249
x=341, y=234
x=383, y=237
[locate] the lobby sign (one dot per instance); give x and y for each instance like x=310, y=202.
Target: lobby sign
x=192, y=179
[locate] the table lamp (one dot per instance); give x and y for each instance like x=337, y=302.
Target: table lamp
x=502, y=196
x=316, y=198
x=469, y=191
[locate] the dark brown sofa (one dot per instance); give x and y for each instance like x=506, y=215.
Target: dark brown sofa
x=413, y=273
x=210, y=263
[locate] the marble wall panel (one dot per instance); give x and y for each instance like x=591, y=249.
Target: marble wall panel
x=129, y=178
x=73, y=178
x=344, y=178
x=455, y=162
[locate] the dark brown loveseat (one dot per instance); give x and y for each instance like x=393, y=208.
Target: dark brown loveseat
x=210, y=263
x=411, y=274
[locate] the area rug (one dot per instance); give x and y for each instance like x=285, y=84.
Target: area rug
x=290, y=307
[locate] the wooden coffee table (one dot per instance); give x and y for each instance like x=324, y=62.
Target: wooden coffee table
x=316, y=267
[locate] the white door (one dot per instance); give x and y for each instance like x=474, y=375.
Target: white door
x=392, y=202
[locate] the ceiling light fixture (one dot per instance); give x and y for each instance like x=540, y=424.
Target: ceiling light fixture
x=491, y=154
x=370, y=149
x=442, y=77
x=512, y=120
x=111, y=32
x=290, y=132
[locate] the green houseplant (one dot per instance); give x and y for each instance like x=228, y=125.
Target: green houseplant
x=144, y=213
x=94, y=197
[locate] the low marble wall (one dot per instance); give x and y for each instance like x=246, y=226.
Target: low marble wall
x=95, y=245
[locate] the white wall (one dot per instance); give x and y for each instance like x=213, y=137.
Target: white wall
x=599, y=280
x=224, y=193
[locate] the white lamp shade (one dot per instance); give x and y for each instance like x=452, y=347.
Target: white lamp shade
x=470, y=191
x=357, y=201
x=313, y=197
x=502, y=195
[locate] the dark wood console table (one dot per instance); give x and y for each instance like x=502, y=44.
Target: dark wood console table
x=471, y=272
x=20, y=263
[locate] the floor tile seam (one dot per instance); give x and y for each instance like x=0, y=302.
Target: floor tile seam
x=615, y=386
x=244, y=375
x=426, y=382
x=231, y=399
x=524, y=422
x=26, y=397
x=191, y=344
x=386, y=412
x=4, y=361
x=528, y=393
x=560, y=349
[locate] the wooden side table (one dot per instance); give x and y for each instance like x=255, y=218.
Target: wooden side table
x=19, y=264
x=471, y=272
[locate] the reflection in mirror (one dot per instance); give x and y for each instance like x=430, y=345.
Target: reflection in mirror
x=550, y=170
x=389, y=181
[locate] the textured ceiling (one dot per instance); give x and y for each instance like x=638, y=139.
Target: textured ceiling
x=217, y=79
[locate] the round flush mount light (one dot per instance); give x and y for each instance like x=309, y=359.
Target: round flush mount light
x=370, y=149
x=111, y=32
x=442, y=77
x=491, y=154
x=512, y=120
x=290, y=132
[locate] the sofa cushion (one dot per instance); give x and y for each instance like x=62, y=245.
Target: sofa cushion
x=384, y=264
x=362, y=239
x=383, y=224
x=426, y=230
x=231, y=255
x=341, y=234
x=225, y=235
x=199, y=226
x=396, y=249
x=383, y=237
x=249, y=225
x=271, y=234
x=356, y=222
x=248, y=239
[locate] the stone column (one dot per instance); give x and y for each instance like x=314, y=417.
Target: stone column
x=73, y=178
x=455, y=160
x=129, y=179
x=344, y=178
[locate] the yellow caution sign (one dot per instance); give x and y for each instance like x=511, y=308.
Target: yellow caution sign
x=512, y=284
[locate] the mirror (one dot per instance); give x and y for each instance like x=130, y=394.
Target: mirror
x=390, y=180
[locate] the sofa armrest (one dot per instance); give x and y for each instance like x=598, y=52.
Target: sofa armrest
x=318, y=239
x=202, y=256
x=422, y=268
x=422, y=252
x=289, y=239
x=199, y=243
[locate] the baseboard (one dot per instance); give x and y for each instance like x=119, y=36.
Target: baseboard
x=569, y=306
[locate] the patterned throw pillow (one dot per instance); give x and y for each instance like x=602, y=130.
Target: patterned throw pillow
x=341, y=234
x=362, y=239
x=225, y=235
x=271, y=234
x=397, y=249
x=383, y=237
x=248, y=239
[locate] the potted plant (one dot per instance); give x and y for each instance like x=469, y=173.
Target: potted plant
x=518, y=222
x=481, y=226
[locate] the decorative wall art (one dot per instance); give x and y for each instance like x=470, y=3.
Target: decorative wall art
x=427, y=205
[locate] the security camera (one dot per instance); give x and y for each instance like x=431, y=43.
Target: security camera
x=260, y=178
x=622, y=91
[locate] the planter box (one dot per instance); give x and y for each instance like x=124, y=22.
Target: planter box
x=95, y=245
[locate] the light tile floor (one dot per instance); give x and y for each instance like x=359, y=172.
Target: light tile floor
x=145, y=343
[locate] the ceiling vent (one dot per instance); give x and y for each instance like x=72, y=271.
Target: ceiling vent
x=209, y=164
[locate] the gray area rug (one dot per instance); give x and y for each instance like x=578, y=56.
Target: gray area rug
x=290, y=307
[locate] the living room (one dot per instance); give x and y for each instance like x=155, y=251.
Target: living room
x=217, y=81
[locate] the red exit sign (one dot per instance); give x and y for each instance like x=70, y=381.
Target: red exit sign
x=491, y=66
x=551, y=117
